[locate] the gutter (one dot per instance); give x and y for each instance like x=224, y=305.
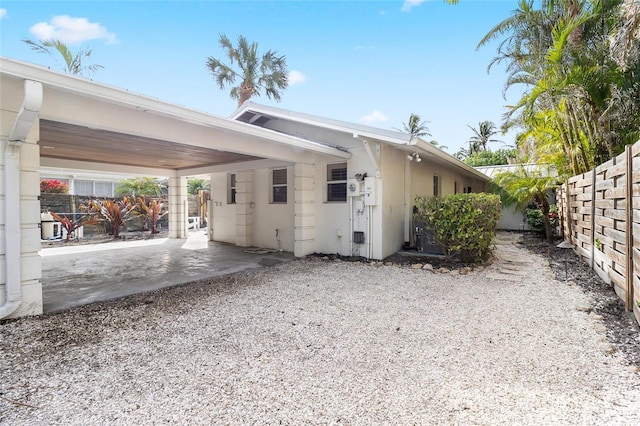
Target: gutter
x=12, y=223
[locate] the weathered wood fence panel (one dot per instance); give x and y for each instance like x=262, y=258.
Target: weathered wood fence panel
x=600, y=214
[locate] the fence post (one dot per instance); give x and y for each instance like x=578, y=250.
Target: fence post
x=628, y=304
x=568, y=206
x=593, y=217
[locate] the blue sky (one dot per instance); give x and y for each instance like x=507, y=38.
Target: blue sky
x=368, y=62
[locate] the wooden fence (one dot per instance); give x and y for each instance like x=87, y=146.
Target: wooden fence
x=600, y=214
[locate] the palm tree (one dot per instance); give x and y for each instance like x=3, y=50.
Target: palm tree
x=72, y=63
x=522, y=187
x=195, y=185
x=578, y=101
x=482, y=135
x=267, y=73
x=415, y=127
x=139, y=186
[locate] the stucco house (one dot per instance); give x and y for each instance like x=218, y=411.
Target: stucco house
x=280, y=179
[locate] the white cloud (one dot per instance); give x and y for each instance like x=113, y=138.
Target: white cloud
x=3, y=13
x=375, y=117
x=410, y=4
x=296, y=77
x=71, y=30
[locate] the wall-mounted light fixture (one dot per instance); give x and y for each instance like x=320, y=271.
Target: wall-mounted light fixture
x=414, y=156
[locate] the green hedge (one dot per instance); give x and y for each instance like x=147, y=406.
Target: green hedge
x=464, y=224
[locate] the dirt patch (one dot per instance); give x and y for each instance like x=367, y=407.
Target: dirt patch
x=622, y=329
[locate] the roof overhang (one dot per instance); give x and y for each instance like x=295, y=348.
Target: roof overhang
x=85, y=122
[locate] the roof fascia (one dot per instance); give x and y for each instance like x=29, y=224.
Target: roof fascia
x=87, y=88
x=313, y=120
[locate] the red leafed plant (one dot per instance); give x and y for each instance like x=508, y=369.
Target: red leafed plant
x=53, y=186
x=116, y=212
x=151, y=210
x=71, y=225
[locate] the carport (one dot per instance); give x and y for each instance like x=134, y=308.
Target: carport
x=54, y=120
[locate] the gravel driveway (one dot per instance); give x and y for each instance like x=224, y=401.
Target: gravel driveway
x=326, y=342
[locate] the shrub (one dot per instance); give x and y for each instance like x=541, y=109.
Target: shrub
x=53, y=186
x=535, y=219
x=464, y=225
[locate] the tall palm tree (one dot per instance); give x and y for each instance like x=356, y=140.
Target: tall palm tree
x=577, y=101
x=483, y=135
x=267, y=73
x=73, y=64
x=415, y=127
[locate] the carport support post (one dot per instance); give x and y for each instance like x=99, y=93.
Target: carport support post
x=304, y=210
x=244, y=208
x=177, y=202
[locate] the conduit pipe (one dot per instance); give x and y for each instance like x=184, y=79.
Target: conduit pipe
x=12, y=218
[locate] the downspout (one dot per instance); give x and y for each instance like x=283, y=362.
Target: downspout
x=12, y=218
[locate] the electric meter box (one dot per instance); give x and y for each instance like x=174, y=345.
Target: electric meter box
x=353, y=188
x=370, y=191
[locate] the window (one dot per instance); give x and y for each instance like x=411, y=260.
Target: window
x=83, y=187
x=436, y=186
x=279, y=186
x=103, y=189
x=455, y=187
x=337, y=182
x=467, y=190
x=231, y=192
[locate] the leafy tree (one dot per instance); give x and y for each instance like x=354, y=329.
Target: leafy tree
x=578, y=101
x=136, y=187
x=195, y=185
x=267, y=73
x=73, y=64
x=523, y=187
x=490, y=158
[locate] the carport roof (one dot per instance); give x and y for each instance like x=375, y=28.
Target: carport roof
x=65, y=139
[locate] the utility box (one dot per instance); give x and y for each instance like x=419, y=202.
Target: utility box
x=353, y=188
x=370, y=191
x=358, y=237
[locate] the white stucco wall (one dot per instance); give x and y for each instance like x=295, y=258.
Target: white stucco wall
x=224, y=213
x=12, y=94
x=393, y=200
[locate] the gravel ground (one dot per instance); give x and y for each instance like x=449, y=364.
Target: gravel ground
x=327, y=342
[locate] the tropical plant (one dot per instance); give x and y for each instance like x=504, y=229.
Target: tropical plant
x=464, y=225
x=416, y=127
x=578, y=101
x=136, y=187
x=70, y=225
x=73, y=64
x=195, y=185
x=523, y=186
x=53, y=186
x=491, y=158
x=151, y=210
x=535, y=219
x=267, y=73
x=483, y=135
x=115, y=212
